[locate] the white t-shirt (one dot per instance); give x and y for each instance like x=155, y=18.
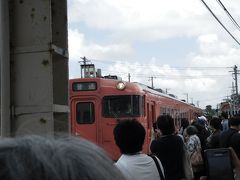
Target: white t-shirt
x=138, y=167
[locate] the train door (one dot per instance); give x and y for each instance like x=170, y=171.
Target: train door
x=107, y=141
x=150, y=119
x=84, y=113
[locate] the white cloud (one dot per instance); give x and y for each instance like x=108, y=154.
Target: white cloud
x=214, y=51
x=209, y=86
x=128, y=21
x=148, y=19
x=79, y=46
x=208, y=38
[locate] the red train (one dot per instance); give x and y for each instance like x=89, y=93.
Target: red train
x=98, y=103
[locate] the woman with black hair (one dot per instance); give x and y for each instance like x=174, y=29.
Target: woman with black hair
x=194, y=149
x=213, y=141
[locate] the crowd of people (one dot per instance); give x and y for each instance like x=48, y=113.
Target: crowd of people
x=176, y=153
x=179, y=151
x=202, y=134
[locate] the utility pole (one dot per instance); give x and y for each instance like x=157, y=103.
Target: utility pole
x=234, y=97
x=233, y=88
x=197, y=103
x=235, y=72
x=236, y=82
x=84, y=63
x=129, y=77
x=167, y=90
x=151, y=79
x=85, y=60
x=187, y=96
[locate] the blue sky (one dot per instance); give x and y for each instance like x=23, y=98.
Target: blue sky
x=175, y=41
x=166, y=50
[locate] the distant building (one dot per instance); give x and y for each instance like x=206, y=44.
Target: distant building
x=230, y=107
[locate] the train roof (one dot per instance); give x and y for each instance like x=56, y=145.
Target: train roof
x=153, y=91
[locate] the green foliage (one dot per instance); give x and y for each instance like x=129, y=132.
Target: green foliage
x=209, y=111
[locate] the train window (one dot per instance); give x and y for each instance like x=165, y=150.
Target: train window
x=84, y=86
x=123, y=106
x=168, y=111
x=175, y=113
x=181, y=115
x=141, y=105
x=163, y=111
x=85, y=113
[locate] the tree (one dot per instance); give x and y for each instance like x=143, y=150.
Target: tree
x=209, y=111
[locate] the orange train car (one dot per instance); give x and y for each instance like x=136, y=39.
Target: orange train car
x=97, y=104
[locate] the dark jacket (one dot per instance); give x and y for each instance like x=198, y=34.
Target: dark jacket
x=231, y=138
x=202, y=134
x=169, y=149
x=213, y=141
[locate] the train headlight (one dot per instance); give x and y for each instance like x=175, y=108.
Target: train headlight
x=121, y=85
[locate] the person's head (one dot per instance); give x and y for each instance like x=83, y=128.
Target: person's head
x=202, y=121
x=191, y=130
x=39, y=158
x=224, y=115
x=184, y=122
x=215, y=123
x=235, y=122
x=129, y=136
x=166, y=124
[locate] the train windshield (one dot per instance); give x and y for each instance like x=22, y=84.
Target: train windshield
x=123, y=106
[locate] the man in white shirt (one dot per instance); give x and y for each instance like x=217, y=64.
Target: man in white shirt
x=129, y=136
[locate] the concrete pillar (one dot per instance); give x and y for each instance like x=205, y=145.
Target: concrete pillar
x=4, y=69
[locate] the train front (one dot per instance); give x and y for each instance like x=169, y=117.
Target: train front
x=96, y=106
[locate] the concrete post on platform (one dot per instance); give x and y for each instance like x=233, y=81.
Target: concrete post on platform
x=39, y=67
x=4, y=70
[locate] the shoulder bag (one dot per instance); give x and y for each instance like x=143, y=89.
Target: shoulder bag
x=158, y=166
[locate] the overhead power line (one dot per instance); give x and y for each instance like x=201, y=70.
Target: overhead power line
x=229, y=15
x=149, y=65
x=168, y=76
x=220, y=22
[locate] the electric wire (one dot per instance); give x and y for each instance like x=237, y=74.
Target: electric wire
x=172, y=76
x=150, y=65
x=220, y=22
x=229, y=15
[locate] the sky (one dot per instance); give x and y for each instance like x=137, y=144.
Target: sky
x=178, y=43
